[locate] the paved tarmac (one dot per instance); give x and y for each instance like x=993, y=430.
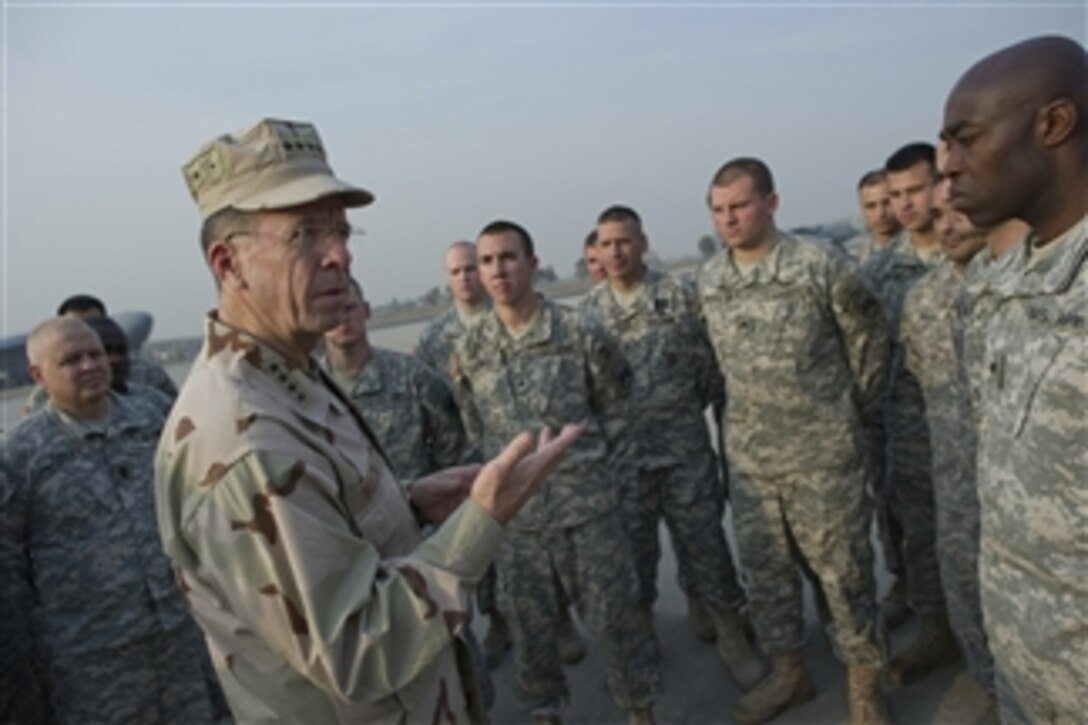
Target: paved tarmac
x=699, y=692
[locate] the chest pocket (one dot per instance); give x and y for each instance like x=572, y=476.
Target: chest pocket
x=548, y=387
x=384, y=514
x=1024, y=383
x=788, y=328
x=657, y=354
x=385, y=406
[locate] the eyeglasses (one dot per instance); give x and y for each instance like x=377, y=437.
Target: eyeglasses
x=305, y=237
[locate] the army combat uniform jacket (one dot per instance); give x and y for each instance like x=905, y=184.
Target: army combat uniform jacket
x=1033, y=469
x=561, y=370
x=410, y=409
x=674, y=376
x=80, y=558
x=299, y=553
x=803, y=346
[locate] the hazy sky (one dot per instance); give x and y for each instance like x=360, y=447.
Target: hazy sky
x=453, y=115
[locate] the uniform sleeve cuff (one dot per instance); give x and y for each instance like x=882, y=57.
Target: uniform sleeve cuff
x=466, y=543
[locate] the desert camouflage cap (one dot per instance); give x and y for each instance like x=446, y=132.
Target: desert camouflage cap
x=271, y=165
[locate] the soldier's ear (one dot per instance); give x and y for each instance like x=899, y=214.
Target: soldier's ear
x=222, y=259
x=35, y=372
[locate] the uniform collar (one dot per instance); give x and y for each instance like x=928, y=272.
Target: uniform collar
x=246, y=355
x=1052, y=269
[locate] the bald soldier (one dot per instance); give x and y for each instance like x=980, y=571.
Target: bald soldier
x=79, y=549
x=469, y=301
x=299, y=553
x=1016, y=125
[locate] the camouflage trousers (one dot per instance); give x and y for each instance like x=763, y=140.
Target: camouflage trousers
x=954, y=449
x=889, y=527
x=910, y=481
x=162, y=679
x=689, y=497
x=826, y=514
x=592, y=563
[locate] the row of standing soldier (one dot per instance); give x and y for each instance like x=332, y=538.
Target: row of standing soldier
x=990, y=352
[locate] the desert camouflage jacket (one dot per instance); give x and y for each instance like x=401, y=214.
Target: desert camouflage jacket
x=299, y=554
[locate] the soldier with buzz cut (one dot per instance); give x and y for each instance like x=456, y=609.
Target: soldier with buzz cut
x=875, y=203
x=532, y=362
x=928, y=330
x=670, y=470
x=109, y=633
x=802, y=344
x=299, y=552
x=906, y=486
x=408, y=406
x=469, y=301
x=1016, y=127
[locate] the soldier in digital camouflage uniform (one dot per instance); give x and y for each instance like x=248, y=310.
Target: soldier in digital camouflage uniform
x=437, y=339
x=79, y=548
x=533, y=362
x=408, y=406
x=803, y=348
x=928, y=331
x=976, y=301
x=907, y=483
x=875, y=205
x=299, y=553
x=670, y=471
x=1016, y=125
x=139, y=372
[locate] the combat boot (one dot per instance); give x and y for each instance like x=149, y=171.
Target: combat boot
x=867, y=706
x=786, y=686
x=733, y=648
x=894, y=611
x=497, y=641
x=572, y=649
x=933, y=647
x=700, y=620
x=641, y=716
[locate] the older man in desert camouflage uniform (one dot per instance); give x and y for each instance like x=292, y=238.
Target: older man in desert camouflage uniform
x=79, y=549
x=803, y=347
x=670, y=470
x=1016, y=125
x=298, y=551
x=928, y=330
x=532, y=362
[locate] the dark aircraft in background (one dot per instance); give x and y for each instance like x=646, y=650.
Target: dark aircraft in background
x=13, y=373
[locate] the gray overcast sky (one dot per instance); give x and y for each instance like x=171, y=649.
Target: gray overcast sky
x=452, y=116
